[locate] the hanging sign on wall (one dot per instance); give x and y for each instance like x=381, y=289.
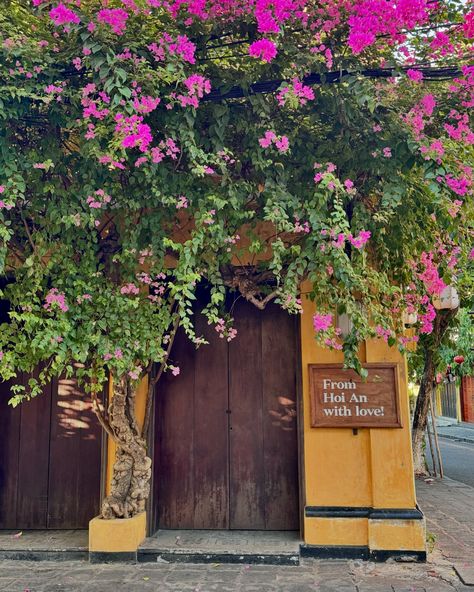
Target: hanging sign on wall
x=341, y=398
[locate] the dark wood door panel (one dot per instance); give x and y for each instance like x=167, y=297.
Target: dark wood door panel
x=32, y=508
x=210, y=431
x=74, y=457
x=50, y=459
x=279, y=420
x=174, y=471
x=9, y=457
x=247, y=487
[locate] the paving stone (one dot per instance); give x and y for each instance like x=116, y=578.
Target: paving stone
x=465, y=572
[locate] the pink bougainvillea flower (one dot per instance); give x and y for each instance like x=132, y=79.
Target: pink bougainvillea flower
x=359, y=241
x=116, y=18
x=282, y=144
x=264, y=49
x=468, y=26
x=415, y=75
x=54, y=296
x=62, y=15
x=322, y=322
x=129, y=289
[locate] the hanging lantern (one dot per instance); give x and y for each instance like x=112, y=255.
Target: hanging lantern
x=344, y=323
x=447, y=300
x=409, y=318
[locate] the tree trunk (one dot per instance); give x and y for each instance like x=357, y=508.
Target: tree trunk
x=420, y=415
x=130, y=486
x=430, y=345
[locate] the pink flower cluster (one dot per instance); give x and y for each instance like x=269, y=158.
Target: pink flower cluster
x=135, y=372
x=136, y=134
x=281, y=143
x=426, y=319
x=263, y=49
x=370, y=19
x=55, y=297
x=224, y=330
x=297, y=89
x=146, y=104
x=181, y=47
x=99, y=200
x=302, y=226
x=62, y=15
x=130, y=289
x=118, y=355
x=182, y=202
x=322, y=322
x=415, y=75
x=382, y=332
x=116, y=18
x=197, y=87
x=339, y=239
x=434, y=285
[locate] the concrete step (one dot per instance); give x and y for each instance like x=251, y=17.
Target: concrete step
x=222, y=546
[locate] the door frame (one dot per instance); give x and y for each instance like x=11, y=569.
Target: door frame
x=153, y=501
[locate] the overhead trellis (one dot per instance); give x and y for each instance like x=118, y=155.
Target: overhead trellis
x=270, y=86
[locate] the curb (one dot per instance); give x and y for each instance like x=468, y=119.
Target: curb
x=456, y=438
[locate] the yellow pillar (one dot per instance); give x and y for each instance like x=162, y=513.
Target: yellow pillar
x=359, y=484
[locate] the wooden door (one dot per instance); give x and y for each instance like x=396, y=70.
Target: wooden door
x=50, y=458
x=226, y=442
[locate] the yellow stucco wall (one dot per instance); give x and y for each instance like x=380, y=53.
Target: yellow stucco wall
x=372, y=468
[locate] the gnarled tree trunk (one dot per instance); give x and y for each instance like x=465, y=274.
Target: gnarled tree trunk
x=430, y=345
x=130, y=486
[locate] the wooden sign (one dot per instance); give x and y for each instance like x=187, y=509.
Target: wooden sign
x=341, y=398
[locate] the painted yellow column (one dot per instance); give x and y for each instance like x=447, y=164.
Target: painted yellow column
x=359, y=484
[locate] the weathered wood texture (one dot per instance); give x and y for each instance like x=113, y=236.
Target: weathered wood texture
x=50, y=450
x=226, y=442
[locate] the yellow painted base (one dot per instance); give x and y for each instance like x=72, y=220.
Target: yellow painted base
x=376, y=535
x=117, y=536
x=336, y=531
x=400, y=535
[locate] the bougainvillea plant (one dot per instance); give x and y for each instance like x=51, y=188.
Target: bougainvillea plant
x=150, y=146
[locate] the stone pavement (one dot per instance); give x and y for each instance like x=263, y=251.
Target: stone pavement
x=461, y=432
x=449, y=507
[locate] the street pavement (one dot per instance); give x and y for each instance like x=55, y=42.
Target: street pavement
x=448, y=505
x=462, y=432
x=458, y=460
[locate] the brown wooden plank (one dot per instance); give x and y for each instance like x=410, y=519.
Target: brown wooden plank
x=246, y=486
x=279, y=419
x=174, y=473
x=75, y=458
x=211, y=430
x=9, y=457
x=33, y=461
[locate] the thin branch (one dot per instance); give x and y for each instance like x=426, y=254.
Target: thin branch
x=101, y=417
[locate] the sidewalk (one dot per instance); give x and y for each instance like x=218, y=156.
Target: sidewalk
x=448, y=505
x=461, y=432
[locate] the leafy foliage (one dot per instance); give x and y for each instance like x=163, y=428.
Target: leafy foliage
x=125, y=185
